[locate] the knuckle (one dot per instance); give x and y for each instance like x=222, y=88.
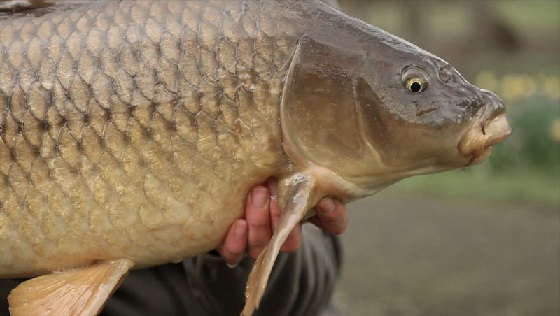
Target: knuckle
x=330, y=219
x=258, y=243
x=289, y=248
x=259, y=225
x=254, y=253
x=339, y=229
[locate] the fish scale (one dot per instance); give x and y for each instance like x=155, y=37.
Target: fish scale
x=121, y=122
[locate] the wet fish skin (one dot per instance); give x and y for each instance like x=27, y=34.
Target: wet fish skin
x=122, y=124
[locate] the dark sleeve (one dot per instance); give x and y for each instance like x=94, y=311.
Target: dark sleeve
x=5, y=287
x=301, y=284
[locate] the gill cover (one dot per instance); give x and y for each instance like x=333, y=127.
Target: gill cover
x=320, y=114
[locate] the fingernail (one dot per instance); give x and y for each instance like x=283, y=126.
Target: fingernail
x=327, y=204
x=232, y=266
x=259, y=197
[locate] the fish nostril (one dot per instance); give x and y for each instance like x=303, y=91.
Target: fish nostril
x=491, y=96
x=494, y=103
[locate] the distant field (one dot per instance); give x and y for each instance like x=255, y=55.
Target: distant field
x=411, y=255
x=518, y=186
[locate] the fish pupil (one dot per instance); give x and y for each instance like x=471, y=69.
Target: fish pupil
x=415, y=87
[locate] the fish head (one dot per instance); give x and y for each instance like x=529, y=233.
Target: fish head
x=421, y=115
x=372, y=108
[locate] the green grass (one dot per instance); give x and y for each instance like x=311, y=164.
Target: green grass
x=521, y=185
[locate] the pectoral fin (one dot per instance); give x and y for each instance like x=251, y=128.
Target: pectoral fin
x=297, y=194
x=81, y=291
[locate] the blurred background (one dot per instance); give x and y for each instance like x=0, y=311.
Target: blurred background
x=484, y=240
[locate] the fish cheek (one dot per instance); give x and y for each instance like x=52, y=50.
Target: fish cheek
x=404, y=144
x=376, y=123
x=319, y=119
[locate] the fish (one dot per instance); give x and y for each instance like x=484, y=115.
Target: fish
x=131, y=131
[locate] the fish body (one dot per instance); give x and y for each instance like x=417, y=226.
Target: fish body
x=133, y=130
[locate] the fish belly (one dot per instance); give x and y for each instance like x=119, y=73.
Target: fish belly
x=134, y=129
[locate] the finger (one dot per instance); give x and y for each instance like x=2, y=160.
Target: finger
x=272, y=184
x=235, y=243
x=258, y=220
x=331, y=216
x=293, y=242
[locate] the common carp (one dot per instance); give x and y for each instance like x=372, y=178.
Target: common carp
x=131, y=131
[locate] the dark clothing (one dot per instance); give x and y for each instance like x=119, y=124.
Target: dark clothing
x=301, y=284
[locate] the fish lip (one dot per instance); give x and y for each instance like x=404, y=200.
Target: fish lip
x=493, y=140
x=490, y=118
x=497, y=128
x=477, y=143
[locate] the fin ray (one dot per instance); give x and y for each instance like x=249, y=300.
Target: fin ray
x=80, y=291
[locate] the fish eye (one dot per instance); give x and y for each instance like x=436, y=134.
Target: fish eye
x=414, y=79
x=416, y=85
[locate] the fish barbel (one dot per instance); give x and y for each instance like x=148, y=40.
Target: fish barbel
x=131, y=131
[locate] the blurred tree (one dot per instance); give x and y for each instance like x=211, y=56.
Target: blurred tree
x=486, y=25
x=484, y=29
x=491, y=27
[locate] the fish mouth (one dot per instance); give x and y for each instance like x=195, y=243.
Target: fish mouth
x=477, y=143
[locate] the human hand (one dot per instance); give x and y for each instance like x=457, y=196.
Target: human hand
x=251, y=233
